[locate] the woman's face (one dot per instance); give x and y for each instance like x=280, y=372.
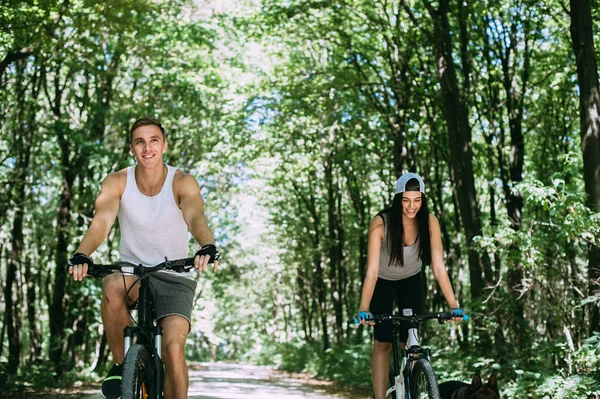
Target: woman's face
x=411, y=203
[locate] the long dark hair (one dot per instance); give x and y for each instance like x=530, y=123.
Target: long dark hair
x=395, y=228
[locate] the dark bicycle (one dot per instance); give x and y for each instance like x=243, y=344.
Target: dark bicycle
x=143, y=369
x=411, y=374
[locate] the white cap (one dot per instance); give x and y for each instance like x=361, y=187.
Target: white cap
x=401, y=182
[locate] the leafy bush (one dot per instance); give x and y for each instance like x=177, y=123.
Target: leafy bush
x=296, y=356
x=348, y=364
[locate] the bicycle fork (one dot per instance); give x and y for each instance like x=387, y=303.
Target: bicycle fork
x=158, y=371
x=398, y=385
x=145, y=332
x=130, y=331
x=400, y=380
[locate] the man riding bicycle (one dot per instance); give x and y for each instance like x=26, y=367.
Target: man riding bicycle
x=156, y=205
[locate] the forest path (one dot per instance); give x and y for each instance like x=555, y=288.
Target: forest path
x=236, y=381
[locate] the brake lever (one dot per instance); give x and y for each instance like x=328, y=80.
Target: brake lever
x=178, y=265
x=98, y=272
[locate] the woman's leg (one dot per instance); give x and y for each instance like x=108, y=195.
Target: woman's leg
x=380, y=367
x=381, y=303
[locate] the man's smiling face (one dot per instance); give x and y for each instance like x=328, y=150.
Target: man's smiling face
x=148, y=146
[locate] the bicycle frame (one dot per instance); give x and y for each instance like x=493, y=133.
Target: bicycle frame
x=399, y=379
x=403, y=377
x=144, y=332
x=415, y=359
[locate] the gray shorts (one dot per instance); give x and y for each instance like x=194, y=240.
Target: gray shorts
x=172, y=295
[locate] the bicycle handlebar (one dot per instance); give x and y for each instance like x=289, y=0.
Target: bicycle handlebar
x=178, y=265
x=440, y=316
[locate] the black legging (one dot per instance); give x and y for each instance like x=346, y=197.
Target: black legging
x=408, y=295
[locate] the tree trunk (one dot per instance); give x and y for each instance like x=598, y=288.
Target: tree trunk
x=12, y=317
x=317, y=282
x=69, y=169
x=362, y=205
x=334, y=237
x=461, y=152
x=22, y=142
x=57, y=310
x=589, y=105
x=512, y=174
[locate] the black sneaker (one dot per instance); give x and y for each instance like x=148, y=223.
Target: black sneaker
x=111, y=387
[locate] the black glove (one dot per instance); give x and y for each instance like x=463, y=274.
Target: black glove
x=80, y=259
x=210, y=250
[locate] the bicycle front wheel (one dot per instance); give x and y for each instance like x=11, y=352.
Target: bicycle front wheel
x=137, y=374
x=423, y=384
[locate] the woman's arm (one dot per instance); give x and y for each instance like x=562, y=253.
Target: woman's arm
x=437, y=262
x=376, y=235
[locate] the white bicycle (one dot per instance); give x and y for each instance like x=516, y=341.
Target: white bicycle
x=411, y=374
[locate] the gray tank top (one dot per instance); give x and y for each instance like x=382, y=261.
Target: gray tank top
x=152, y=228
x=412, y=262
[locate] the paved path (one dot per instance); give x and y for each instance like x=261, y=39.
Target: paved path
x=225, y=381
x=236, y=381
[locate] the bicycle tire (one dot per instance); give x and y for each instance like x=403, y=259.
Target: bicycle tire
x=137, y=374
x=423, y=384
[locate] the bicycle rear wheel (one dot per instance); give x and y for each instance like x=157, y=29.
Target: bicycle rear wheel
x=423, y=384
x=137, y=374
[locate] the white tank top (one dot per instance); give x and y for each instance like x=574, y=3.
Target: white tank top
x=152, y=228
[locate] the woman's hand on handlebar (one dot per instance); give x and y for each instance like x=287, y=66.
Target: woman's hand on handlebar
x=364, y=317
x=78, y=266
x=206, y=255
x=459, y=315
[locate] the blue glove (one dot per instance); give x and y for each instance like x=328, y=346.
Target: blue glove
x=456, y=312
x=363, y=316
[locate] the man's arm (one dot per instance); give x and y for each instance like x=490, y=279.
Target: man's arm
x=192, y=208
x=107, y=206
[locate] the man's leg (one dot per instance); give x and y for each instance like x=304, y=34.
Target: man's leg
x=114, y=311
x=175, y=332
x=115, y=318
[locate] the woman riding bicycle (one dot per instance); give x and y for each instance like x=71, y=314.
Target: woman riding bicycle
x=402, y=238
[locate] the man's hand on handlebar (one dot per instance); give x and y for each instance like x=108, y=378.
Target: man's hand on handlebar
x=206, y=255
x=78, y=266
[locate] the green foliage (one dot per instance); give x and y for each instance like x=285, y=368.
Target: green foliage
x=345, y=363
x=349, y=364
x=294, y=356
x=296, y=117
x=39, y=376
x=525, y=375
x=535, y=385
